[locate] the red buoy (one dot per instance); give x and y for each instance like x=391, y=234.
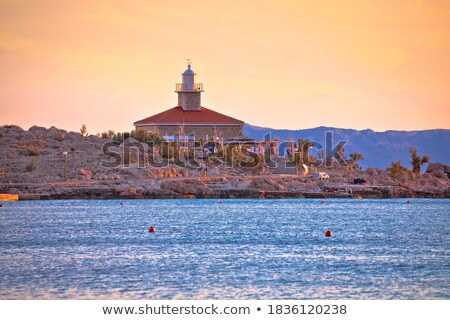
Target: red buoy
x=151, y=229
x=323, y=201
x=121, y=203
x=220, y=202
x=1, y=205
x=408, y=201
x=328, y=233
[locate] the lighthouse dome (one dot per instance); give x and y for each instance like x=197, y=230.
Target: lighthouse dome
x=189, y=71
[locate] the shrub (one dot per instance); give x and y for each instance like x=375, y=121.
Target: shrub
x=30, y=149
x=1, y=134
x=168, y=150
x=83, y=131
x=239, y=157
x=4, y=174
x=140, y=135
x=118, y=137
x=127, y=158
x=396, y=169
x=108, y=135
x=31, y=165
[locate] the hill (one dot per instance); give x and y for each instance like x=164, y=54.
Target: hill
x=379, y=148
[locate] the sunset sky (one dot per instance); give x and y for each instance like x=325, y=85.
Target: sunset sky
x=282, y=64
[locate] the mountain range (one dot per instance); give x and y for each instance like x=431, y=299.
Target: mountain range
x=378, y=148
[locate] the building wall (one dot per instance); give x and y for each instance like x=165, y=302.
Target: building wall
x=146, y=128
x=200, y=131
x=189, y=100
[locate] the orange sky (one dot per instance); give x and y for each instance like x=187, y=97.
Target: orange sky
x=284, y=64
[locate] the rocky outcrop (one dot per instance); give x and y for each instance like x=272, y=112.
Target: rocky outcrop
x=184, y=187
x=439, y=170
x=86, y=173
x=267, y=184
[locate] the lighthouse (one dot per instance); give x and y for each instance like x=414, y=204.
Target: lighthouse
x=189, y=91
x=189, y=114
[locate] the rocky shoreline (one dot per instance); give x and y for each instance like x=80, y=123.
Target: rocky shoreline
x=206, y=188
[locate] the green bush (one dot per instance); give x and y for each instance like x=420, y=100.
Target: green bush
x=30, y=149
x=168, y=150
x=31, y=165
x=127, y=158
x=396, y=169
x=4, y=174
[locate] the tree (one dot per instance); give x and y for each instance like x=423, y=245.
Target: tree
x=339, y=156
x=83, y=131
x=151, y=138
x=353, y=161
x=139, y=135
x=118, y=137
x=303, y=148
x=395, y=169
x=416, y=160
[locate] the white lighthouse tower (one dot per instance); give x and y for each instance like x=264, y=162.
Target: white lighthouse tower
x=189, y=91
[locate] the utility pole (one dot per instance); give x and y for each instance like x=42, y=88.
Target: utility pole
x=296, y=160
x=65, y=165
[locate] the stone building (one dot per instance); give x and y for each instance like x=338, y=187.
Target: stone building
x=189, y=117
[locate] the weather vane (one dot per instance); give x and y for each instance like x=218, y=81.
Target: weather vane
x=189, y=62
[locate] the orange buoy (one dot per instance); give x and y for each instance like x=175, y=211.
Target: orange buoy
x=328, y=233
x=151, y=229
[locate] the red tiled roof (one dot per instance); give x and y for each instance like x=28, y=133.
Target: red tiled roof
x=177, y=115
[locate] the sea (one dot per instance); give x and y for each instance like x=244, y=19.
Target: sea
x=225, y=249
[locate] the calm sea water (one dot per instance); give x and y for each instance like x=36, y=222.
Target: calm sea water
x=241, y=249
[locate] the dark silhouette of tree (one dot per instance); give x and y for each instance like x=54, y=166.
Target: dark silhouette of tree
x=83, y=130
x=416, y=160
x=353, y=161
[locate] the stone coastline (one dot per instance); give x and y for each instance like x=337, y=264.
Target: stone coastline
x=205, y=188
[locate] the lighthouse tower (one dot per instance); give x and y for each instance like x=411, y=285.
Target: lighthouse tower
x=189, y=116
x=189, y=91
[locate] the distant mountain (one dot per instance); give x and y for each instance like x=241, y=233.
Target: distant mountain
x=378, y=148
